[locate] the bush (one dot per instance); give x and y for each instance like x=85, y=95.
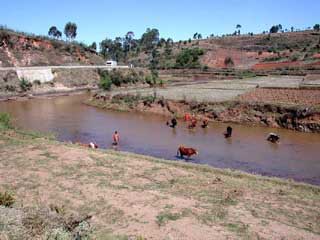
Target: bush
x=5, y=121
x=6, y=199
x=25, y=85
x=228, y=61
x=205, y=68
x=116, y=77
x=105, y=81
x=189, y=58
x=148, y=79
x=294, y=57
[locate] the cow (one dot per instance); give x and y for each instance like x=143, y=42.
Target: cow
x=274, y=138
x=186, y=151
x=228, y=133
x=173, y=124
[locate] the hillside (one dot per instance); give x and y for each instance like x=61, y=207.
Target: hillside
x=19, y=49
x=256, y=52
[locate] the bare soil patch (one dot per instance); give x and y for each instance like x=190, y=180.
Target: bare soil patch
x=290, y=96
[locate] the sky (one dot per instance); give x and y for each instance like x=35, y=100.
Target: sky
x=177, y=19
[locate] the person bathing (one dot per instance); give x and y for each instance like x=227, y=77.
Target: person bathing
x=116, y=138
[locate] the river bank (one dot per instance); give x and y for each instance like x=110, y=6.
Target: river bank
x=304, y=118
x=140, y=197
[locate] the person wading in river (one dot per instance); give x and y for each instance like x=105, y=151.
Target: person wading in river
x=116, y=138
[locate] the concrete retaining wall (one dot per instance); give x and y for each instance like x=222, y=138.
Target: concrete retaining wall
x=42, y=75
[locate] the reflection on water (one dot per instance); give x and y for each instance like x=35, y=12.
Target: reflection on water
x=295, y=157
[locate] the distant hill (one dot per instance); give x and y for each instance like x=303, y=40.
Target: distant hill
x=19, y=49
x=253, y=52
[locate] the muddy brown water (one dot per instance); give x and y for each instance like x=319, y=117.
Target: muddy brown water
x=296, y=157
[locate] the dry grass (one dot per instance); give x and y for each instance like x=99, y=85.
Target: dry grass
x=141, y=197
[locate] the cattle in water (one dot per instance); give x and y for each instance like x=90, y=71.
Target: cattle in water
x=228, y=133
x=205, y=123
x=274, y=138
x=173, y=124
x=186, y=151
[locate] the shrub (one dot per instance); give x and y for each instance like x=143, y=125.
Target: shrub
x=116, y=77
x=5, y=120
x=205, y=68
x=10, y=88
x=148, y=79
x=25, y=85
x=105, y=81
x=228, y=61
x=189, y=58
x=294, y=57
x=6, y=199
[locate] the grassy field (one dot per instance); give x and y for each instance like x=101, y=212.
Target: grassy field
x=99, y=194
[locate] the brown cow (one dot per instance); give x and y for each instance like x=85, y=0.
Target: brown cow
x=185, y=151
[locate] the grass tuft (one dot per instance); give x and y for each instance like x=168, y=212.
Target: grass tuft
x=6, y=199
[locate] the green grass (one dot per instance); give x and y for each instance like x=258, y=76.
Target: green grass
x=5, y=121
x=166, y=216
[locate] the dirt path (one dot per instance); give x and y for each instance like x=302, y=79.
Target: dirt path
x=147, y=198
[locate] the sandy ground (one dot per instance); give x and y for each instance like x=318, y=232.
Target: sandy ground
x=146, y=198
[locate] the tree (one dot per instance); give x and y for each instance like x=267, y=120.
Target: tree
x=316, y=27
x=155, y=59
x=238, y=27
x=105, y=47
x=199, y=36
x=195, y=36
x=53, y=31
x=70, y=30
x=292, y=29
x=128, y=40
x=58, y=34
x=93, y=46
x=274, y=29
x=150, y=38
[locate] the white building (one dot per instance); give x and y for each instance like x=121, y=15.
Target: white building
x=111, y=63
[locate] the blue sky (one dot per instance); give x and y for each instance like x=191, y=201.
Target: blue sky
x=178, y=19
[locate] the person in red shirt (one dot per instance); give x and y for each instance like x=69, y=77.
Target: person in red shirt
x=187, y=117
x=116, y=138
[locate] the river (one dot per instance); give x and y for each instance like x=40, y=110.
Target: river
x=297, y=156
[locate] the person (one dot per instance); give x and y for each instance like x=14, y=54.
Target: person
x=228, y=133
x=193, y=122
x=116, y=138
x=187, y=117
x=205, y=123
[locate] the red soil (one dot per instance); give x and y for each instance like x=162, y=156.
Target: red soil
x=275, y=65
x=291, y=96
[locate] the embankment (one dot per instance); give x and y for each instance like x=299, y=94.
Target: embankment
x=305, y=118
x=15, y=83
